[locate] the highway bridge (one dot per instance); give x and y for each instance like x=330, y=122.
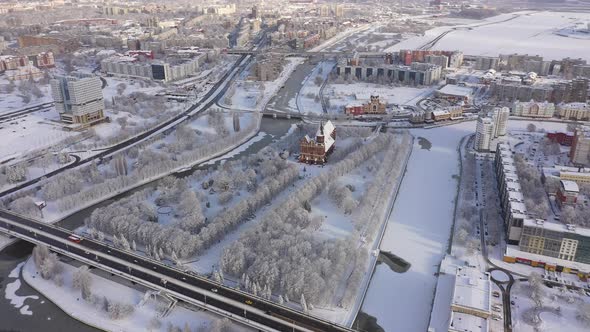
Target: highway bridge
x=15, y=114
x=209, y=99
x=186, y=286
x=302, y=53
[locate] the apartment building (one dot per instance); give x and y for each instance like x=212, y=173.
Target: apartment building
x=533, y=109
x=416, y=74
x=580, y=150
x=484, y=133
x=526, y=235
x=574, y=111
x=172, y=68
x=78, y=99
x=486, y=62
x=514, y=211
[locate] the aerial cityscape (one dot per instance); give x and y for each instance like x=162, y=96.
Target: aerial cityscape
x=295, y=165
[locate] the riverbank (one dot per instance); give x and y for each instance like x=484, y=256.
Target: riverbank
x=418, y=231
x=145, y=315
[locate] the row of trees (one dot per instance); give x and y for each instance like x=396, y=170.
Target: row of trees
x=374, y=203
x=133, y=218
x=282, y=251
x=150, y=164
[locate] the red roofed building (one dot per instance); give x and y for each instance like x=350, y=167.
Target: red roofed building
x=317, y=151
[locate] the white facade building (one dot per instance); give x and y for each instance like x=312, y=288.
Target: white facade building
x=500, y=117
x=574, y=111
x=484, y=133
x=78, y=99
x=532, y=109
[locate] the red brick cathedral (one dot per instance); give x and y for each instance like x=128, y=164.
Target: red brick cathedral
x=317, y=151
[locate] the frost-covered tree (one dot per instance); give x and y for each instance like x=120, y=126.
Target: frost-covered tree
x=25, y=206
x=118, y=311
x=82, y=280
x=303, y=303
x=16, y=173
x=221, y=325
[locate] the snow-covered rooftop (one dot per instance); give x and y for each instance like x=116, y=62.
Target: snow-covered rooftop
x=328, y=129
x=558, y=227
x=467, y=323
x=570, y=186
x=456, y=90
x=472, y=289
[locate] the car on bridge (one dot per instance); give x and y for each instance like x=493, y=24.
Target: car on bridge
x=75, y=238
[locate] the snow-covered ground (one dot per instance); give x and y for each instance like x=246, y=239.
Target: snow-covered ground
x=253, y=95
x=70, y=301
x=341, y=95
x=308, y=98
x=13, y=101
x=38, y=130
x=530, y=32
x=418, y=231
x=559, y=312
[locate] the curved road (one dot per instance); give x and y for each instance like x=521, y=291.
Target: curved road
x=216, y=92
x=434, y=41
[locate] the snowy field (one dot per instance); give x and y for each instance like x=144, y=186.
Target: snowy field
x=31, y=132
x=560, y=311
x=308, y=98
x=12, y=99
x=341, y=95
x=530, y=32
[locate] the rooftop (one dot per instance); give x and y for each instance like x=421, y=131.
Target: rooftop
x=461, y=322
x=456, y=90
x=472, y=289
x=570, y=186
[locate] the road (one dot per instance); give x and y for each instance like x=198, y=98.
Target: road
x=154, y=273
x=504, y=287
x=434, y=41
x=209, y=99
x=14, y=114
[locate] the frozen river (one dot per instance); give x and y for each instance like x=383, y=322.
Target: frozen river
x=418, y=231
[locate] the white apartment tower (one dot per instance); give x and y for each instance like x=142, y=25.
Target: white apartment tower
x=78, y=99
x=500, y=117
x=484, y=133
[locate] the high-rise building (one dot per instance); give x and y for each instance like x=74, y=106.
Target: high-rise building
x=580, y=150
x=255, y=13
x=78, y=99
x=484, y=133
x=500, y=118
